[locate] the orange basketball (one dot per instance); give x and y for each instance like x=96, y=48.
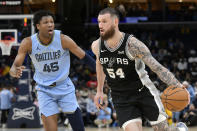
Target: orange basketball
x=175, y=99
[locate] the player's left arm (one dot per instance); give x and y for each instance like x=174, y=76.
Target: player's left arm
x=139, y=50
x=68, y=43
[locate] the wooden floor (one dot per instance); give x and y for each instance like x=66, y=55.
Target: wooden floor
x=87, y=129
x=118, y=129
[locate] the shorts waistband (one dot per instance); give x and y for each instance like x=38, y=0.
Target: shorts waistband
x=54, y=84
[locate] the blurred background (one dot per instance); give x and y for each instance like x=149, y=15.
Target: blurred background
x=167, y=27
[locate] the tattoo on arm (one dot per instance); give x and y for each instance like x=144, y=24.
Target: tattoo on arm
x=139, y=50
x=163, y=126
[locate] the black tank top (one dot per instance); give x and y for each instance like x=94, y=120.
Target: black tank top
x=120, y=70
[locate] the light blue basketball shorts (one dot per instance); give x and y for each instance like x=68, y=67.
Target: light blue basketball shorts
x=52, y=99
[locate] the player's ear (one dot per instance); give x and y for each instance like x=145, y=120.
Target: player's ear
x=116, y=21
x=38, y=26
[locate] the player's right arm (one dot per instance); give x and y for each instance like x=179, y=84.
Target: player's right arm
x=98, y=100
x=139, y=50
x=17, y=68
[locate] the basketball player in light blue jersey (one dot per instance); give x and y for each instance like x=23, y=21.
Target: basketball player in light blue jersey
x=49, y=52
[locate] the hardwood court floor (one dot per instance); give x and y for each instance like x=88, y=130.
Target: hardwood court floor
x=87, y=129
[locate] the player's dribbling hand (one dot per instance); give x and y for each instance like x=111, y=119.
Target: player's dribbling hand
x=98, y=100
x=18, y=72
x=183, y=86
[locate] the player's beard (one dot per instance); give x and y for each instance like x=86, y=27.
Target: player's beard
x=108, y=34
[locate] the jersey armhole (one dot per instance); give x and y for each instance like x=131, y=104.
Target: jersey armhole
x=60, y=36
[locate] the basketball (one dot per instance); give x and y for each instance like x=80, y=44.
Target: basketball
x=175, y=99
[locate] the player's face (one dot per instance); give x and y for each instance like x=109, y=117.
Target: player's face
x=46, y=25
x=106, y=25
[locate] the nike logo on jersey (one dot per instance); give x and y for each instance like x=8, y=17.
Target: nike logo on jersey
x=103, y=50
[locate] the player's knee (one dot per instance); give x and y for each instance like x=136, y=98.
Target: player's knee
x=162, y=126
x=76, y=120
x=134, y=124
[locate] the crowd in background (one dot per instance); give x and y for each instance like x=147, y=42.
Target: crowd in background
x=186, y=12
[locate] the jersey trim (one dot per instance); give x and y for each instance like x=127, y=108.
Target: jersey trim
x=144, y=78
x=117, y=47
x=39, y=41
x=140, y=69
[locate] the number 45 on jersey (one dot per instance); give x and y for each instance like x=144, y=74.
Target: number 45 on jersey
x=51, y=67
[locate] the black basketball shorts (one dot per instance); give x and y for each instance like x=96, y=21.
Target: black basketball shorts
x=139, y=104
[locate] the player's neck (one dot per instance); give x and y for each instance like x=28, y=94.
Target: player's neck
x=44, y=40
x=113, y=42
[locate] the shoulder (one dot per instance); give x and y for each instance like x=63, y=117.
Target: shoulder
x=95, y=46
x=137, y=48
x=67, y=39
x=67, y=42
x=64, y=37
x=132, y=39
x=27, y=41
x=26, y=44
x=134, y=43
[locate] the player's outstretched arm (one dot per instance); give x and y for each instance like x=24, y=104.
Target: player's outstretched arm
x=17, y=68
x=68, y=43
x=139, y=50
x=98, y=100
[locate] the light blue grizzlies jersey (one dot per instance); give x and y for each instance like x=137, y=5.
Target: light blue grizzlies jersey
x=51, y=62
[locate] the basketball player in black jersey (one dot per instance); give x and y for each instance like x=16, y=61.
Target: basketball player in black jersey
x=121, y=59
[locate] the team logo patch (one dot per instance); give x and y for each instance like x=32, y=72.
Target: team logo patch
x=112, y=60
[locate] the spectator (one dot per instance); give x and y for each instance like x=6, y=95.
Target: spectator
x=5, y=99
x=122, y=12
x=81, y=99
x=190, y=117
x=177, y=115
x=91, y=108
x=190, y=90
x=182, y=64
x=195, y=87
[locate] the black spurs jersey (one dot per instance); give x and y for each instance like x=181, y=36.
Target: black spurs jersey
x=129, y=82
x=120, y=69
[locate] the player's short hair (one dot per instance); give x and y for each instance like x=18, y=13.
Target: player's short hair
x=38, y=16
x=109, y=10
